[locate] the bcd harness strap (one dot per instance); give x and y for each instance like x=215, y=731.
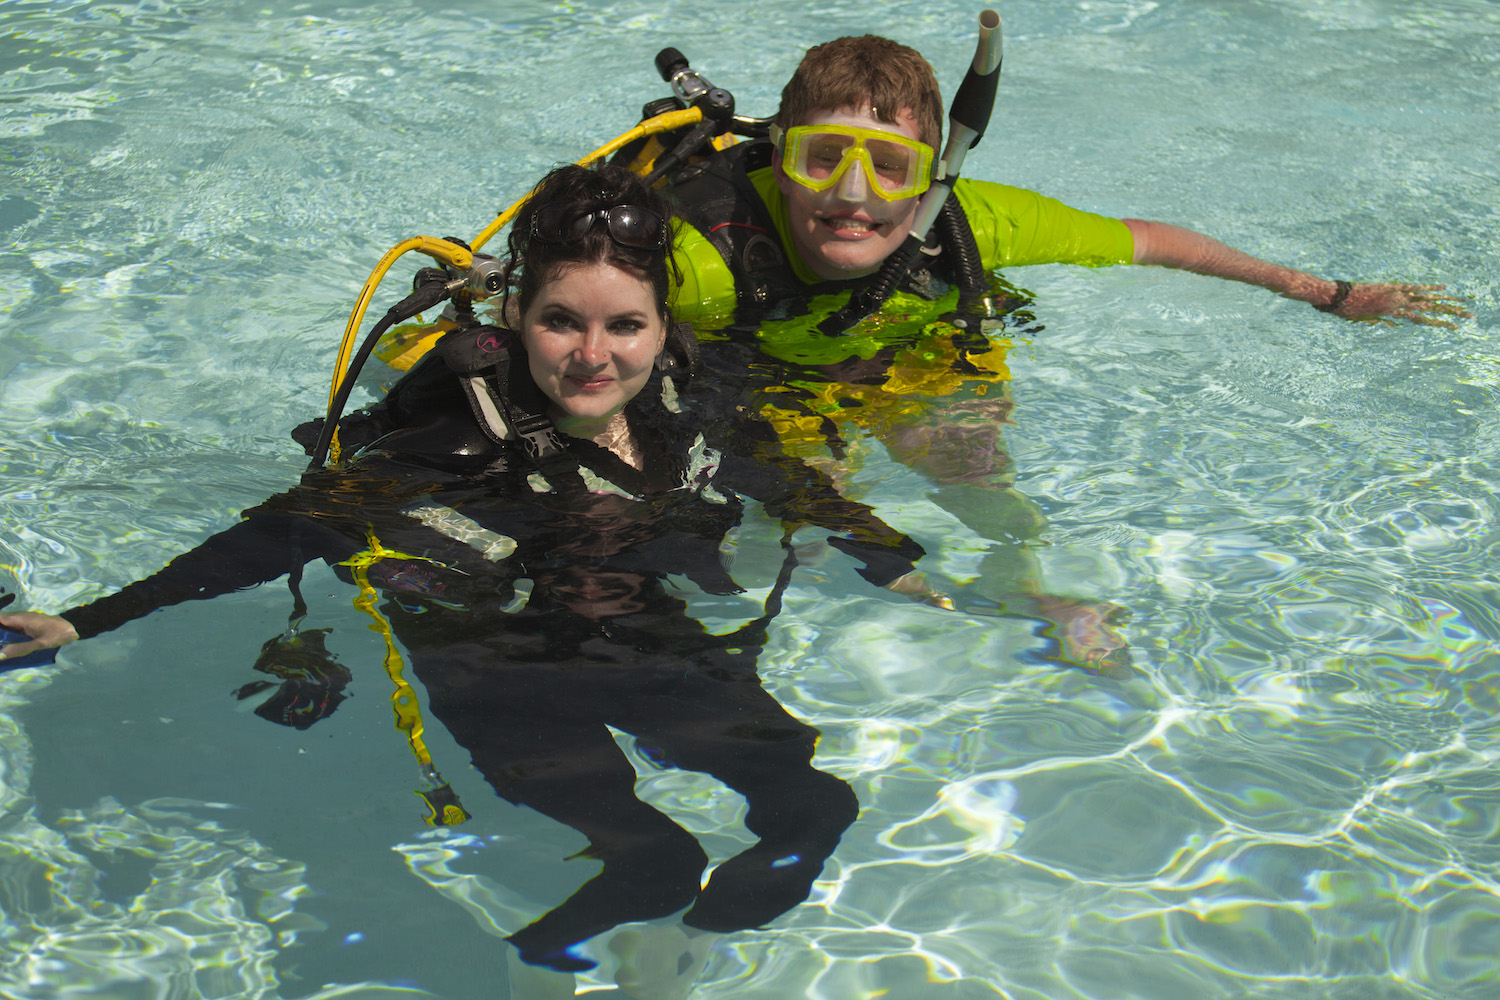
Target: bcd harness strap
x=506, y=408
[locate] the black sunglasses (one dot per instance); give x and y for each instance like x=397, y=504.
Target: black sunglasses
x=629, y=225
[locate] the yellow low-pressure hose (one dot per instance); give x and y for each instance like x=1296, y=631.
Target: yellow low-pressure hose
x=651, y=126
x=442, y=250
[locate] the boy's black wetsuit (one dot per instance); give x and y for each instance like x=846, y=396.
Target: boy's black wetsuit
x=601, y=640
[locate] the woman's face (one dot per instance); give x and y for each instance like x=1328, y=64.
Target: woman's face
x=591, y=336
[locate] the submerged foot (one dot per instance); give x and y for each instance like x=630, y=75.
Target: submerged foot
x=1084, y=635
x=659, y=962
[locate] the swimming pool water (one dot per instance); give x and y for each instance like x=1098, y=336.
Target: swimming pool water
x=1296, y=793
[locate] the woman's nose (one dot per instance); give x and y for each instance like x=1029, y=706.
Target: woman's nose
x=595, y=347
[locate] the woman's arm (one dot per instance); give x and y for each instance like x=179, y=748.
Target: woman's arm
x=757, y=467
x=45, y=632
x=257, y=550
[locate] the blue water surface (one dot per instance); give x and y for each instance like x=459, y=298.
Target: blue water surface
x=1294, y=795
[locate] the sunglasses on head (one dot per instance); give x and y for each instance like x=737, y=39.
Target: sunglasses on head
x=628, y=225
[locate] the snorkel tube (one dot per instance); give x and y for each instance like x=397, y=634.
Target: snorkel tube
x=968, y=117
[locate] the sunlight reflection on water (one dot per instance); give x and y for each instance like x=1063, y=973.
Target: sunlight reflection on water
x=1292, y=794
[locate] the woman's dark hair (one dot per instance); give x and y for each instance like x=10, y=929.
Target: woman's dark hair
x=534, y=262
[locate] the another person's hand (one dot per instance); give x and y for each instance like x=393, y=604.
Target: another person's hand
x=1085, y=634
x=914, y=585
x=1429, y=305
x=1081, y=633
x=46, y=632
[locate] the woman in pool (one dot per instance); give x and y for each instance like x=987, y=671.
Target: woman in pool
x=556, y=454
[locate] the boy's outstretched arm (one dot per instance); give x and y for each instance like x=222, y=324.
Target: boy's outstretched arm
x=1166, y=245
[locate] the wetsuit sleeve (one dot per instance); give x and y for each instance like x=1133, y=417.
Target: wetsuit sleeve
x=707, y=292
x=257, y=550
x=793, y=491
x=1015, y=227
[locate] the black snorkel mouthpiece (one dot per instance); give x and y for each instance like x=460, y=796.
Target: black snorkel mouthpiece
x=968, y=116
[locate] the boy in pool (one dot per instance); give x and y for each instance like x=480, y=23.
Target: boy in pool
x=854, y=140
x=778, y=225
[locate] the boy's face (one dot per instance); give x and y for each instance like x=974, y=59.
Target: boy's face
x=847, y=231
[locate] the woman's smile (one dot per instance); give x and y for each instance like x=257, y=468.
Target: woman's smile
x=592, y=335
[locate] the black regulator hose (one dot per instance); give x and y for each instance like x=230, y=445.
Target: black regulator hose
x=962, y=252
x=683, y=151
x=692, y=90
x=435, y=288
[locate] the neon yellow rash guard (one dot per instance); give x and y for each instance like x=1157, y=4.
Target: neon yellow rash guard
x=1012, y=227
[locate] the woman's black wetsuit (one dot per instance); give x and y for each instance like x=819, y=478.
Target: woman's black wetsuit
x=600, y=642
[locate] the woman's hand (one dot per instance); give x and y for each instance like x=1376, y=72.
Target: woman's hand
x=46, y=632
x=1085, y=634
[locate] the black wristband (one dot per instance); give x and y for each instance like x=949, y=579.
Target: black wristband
x=1341, y=292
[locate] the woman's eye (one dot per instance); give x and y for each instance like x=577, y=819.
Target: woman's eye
x=627, y=326
x=560, y=321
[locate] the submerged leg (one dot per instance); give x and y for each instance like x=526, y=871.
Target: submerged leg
x=652, y=866
x=552, y=752
x=730, y=728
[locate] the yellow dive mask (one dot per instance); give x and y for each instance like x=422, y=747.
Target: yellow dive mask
x=817, y=156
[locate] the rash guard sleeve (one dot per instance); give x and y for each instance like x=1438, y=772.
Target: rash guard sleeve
x=1014, y=227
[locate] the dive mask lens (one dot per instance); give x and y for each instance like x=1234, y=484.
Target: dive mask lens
x=628, y=225
x=817, y=156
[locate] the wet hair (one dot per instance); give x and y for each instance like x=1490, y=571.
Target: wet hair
x=865, y=71
x=533, y=263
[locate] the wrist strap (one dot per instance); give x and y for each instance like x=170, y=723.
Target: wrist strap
x=1341, y=292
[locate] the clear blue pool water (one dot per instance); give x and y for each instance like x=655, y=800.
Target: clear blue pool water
x=1297, y=796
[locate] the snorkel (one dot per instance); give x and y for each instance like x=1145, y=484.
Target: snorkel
x=968, y=116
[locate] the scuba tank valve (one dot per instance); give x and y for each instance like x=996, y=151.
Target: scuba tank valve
x=692, y=89
x=690, y=86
